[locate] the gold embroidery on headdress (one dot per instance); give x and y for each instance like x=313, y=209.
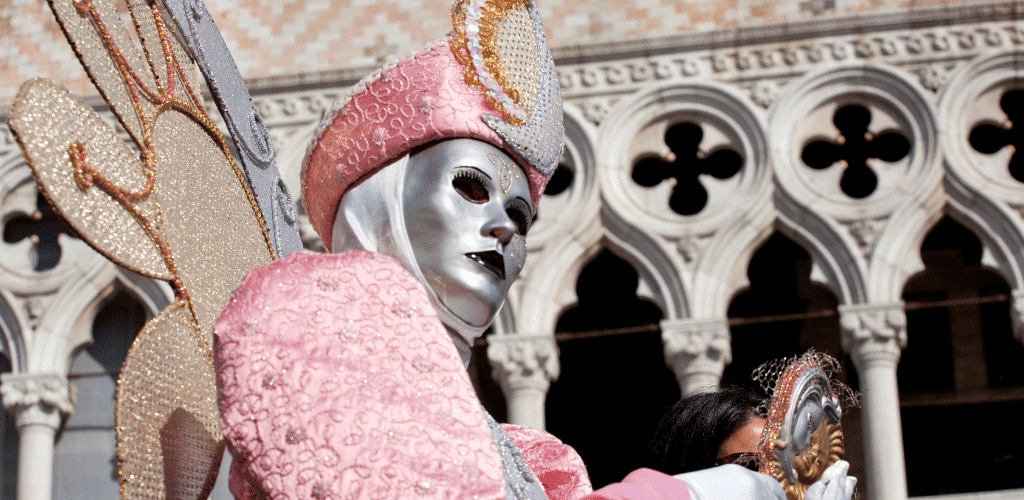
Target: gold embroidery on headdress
x=497, y=43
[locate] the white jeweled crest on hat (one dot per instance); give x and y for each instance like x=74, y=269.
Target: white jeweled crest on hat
x=503, y=47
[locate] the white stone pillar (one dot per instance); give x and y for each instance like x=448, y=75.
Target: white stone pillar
x=39, y=402
x=874, y=335
x=524, y=365
x=697, y=351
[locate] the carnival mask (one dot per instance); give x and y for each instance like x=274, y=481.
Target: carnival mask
x=467, y=211
x=804, y=436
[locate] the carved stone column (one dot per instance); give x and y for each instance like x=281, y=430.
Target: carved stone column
x=39, y=402
x=524, y=365
x=874, y=335
x=697, y=351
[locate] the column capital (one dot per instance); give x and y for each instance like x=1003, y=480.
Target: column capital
x=521, y=361
x=874, y=331
x=37, y=399
x=697, y=351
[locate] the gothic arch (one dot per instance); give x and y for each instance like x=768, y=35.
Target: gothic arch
x=13, y=346
x=558, y=244
x=982, y=194
x=152, y=296
x=568, y=212
x=857, y=239
x=553, y=291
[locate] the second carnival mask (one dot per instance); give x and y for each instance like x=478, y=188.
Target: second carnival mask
x=803, y=435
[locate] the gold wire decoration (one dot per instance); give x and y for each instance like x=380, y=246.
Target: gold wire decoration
x=508, y=47
x=176, y=208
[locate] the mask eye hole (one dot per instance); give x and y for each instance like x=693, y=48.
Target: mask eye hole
x=471, y=185
x=519, y=212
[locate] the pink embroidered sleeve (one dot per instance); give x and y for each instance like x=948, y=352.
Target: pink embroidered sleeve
x=557, y=465
x=336, y=380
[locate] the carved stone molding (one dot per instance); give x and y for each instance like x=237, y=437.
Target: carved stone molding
x=697, y=351
x=523, y=361
x=972, y=98
x=691, y=247
x=865, y=232
x=873, y=331
x=635, y=131
x=764, y=93
x=765, y=57
x=37, y=399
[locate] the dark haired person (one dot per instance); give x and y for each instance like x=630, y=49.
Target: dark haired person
x=707, y=429
x=705, y=438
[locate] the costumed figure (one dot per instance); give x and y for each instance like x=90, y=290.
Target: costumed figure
x=330, y=376
x=343, y=375
x=802, y=444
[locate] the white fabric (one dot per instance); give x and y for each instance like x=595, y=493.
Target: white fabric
x=731, y=482
x=834, y=484
x=371, y=217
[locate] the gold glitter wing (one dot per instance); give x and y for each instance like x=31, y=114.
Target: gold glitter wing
x=174, y=207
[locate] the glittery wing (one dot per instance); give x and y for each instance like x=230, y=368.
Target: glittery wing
x=206, y=45
x=70, y=148
x=174, y=207
x=180, y=418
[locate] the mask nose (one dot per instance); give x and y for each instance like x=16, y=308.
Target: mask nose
x=501, y=227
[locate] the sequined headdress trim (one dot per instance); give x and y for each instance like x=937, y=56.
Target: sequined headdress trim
x=491, y=79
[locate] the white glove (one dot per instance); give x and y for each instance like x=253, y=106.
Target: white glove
x=732, y=482
x=834, y=484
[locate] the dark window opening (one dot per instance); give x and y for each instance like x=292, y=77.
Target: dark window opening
x=687, y=164
x=855, y=149
x=612, y=390
x=962, y=365
x=560, y=180
x=42, y=228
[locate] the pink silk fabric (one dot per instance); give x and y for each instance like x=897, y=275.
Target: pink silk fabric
x=557, y=465
x=336, y=380
x=643, y=484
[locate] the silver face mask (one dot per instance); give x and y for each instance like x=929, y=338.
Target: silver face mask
x=466, y=208
x=812, y=405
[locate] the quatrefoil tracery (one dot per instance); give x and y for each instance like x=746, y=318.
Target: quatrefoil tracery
x=855, y=150
x=43, y=228
x=686, y=164
x=988, y=138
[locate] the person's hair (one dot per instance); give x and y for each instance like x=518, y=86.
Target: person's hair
x=693, y=430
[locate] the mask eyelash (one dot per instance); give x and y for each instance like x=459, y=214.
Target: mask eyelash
x=471, y=174
x=518, y=206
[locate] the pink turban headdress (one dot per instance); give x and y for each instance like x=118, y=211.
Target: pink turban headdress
x=492, y=79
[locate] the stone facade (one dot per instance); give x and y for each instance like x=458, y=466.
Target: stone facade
x=764, y=82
